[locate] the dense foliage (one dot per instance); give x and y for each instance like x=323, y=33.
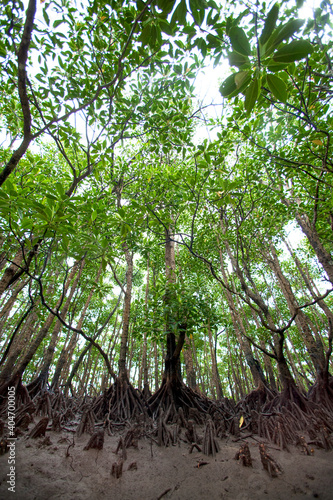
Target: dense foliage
x=102, y=172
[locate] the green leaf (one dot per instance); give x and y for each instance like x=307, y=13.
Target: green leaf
x=269, y=23
x=46, y=17
x=242, y=80
x=294, y=51
x=179, y=15
x=235, y=84
x=57, y=23
x=93, y=215
x=166, y=27
x=283, y=33
x=277, y=87
x=228, y=86
x=59, y=188
x=166, y=5
x=3, y=51
x=198, y=13
x=274, y=66
x=65, y=242
x=237, y=59
x=239, y=41
x=251, y=95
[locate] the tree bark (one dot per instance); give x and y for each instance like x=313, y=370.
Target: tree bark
x=126, y=314
x=323, y=255
x=6, y=373
x=215, y=372
x=314, y=348
x=10, y=271
x=68, y=350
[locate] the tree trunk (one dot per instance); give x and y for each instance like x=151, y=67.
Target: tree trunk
x=315, y=350
x=6, y=309
x=189, y=366
x=48, y=357
x=323, y=255
x=285, y=375
x=126, y=314
x=146, y=390
x=215, y=373
x=67, y=351
x=156, y=368
x=6, y=373
x=11, y=271
x=254, y=365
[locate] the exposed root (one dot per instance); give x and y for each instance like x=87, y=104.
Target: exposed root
x=256, y=399
x=269, y=464
x=244, y=455
x=174, y=394
x=40, y=429
x=21, y=393
x=210, y=443
x=56, y=422
x=322, y=393
x=38, y=385
x=43, y=405
x=191, y=433
x=164, y=435
x=120, y=403
x=283, y=417
x=117, y=469
x=304, y=446
x=96, y=441
x=24, y=416
x=87, y=423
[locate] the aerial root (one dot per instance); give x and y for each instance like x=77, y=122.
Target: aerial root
x=210, y=443
x=120, y=403
x=96, y=441
x=56, y=422
x=244, y=455
x=43, y=405
x=269, y=464
x=87, y=423
x=40, y=429
x=117, y=469
x=164, y=435
x=175, y=395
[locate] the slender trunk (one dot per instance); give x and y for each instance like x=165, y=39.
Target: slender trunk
x=237, y=387
x=197, y=366
x=146, y=391
x=126, y=314
x=67, y=351
x=7, y=308
x=252, y=293
x=11, y=271
x=323, y=255
x=189, y=365
x=6, y=374
x=253, y=364
x=156, y=370
x=215, y=373
x=86, y=372
x=58, y=327
x=315, y=350
x=172, y=365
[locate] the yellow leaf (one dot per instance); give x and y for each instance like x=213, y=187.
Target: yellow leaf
x=241, y=421
x=318, y=142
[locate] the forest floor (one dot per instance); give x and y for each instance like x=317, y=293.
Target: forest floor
x=57, y=467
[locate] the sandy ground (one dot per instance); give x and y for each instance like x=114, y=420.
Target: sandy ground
x=44, y=472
